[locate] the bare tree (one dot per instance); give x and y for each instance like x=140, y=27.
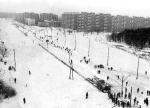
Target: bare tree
x=3, y=50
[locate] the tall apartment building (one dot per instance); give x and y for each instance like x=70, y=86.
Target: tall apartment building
x=21, y=17
x=90, y=26
x=88, y=22
x=107, y=22
x=48, y=17
x=69, y=20
x=82, y=21
x=119, y=23
x=99, y=22
x=147, y=22
x=30, y=21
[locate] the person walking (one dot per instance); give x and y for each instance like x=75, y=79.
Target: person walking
x=29, y=72
x=15, y=80
x=87, y=95
x=24, y=100
x=71, y=70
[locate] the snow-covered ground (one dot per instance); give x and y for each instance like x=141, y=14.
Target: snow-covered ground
x=48, y=85
x=123, y=63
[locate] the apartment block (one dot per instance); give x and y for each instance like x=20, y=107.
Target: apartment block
x=107, y=23
x=82, y=21
x=48, y=17
x=99, y=22
x=30, y=21
x=69, y=20
x=90, y=26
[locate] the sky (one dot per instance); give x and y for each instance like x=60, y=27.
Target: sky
x=114, y=7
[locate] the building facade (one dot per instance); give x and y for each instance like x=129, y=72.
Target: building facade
x=107, y=23
x=82, y=21
x=99, y=22
x=69, y=20
x=48, y=17
x=30, y=21
x=89, y=22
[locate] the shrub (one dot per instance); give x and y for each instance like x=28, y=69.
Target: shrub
x=6, y=91
x=3, y=50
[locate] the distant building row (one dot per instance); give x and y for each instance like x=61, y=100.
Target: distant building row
x=87, y=21
x=43, y=19
x=84, y=21
x=102, y=22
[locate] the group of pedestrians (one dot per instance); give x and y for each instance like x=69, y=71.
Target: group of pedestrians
x=15, y=81
x=116, y=99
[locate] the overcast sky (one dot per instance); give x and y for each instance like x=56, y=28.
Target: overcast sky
x=115, y=7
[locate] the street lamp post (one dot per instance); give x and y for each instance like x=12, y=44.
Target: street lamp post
x=89, y=47
x=108, y=57
x=75, y=42
x=138, y=68
x=14, y=59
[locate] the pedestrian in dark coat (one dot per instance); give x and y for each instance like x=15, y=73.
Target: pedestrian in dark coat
x=15, y=80
x=87, y=95
x=29, y=72
x=24, y=100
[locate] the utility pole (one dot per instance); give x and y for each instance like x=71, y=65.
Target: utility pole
x=108, y=57
x=131, y=96
x=138, y=68
x=65, y=37
x=75, y=42
x=122, y=81
x=14, y=59
x=89, y=48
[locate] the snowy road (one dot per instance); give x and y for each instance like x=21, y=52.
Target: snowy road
x=48, y=85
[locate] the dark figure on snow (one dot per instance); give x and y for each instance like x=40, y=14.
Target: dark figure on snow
x=146, y=101
x=148, y=92
x=126, y=83
x=128, y=104
x=145, y=72
x=87, y=95
x=98, y=71
x=71, y=70
x=134, y=100
x=118, y=76
x=111, y=68
x=126, y=90
x=24, y=100
x=129, y=95
x=107, y=77
x=5, y=63
x=138, y=90
x=29, y=72
x=15, y=80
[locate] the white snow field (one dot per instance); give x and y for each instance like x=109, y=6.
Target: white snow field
x=124, y=64
x=48, y=85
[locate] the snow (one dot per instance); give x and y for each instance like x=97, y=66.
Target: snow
x=48, y=85
x=123, y=63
